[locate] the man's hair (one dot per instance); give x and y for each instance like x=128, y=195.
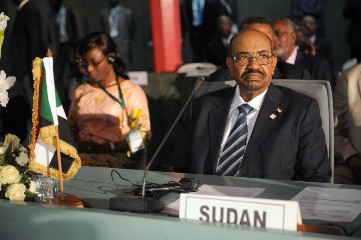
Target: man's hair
x=252, y=20
x=290, y=24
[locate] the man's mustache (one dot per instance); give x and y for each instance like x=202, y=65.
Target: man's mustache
x=246, y=73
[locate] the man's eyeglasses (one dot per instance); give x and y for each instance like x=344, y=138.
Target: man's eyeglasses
x=244, y=59
x=281, y=34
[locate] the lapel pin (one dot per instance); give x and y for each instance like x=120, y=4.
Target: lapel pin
x=277, y=111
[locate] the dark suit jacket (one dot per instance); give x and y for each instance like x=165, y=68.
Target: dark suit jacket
x=318, y=66
x=14, y=117
x=216, y=52
x=323, y=48
x=26, y=40
x=126, y=31
x=288, y=71
x=202, y=35
x=291, y=147
x=73, y=27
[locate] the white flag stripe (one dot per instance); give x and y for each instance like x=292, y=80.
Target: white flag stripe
x=61, y=112
x=43, y=153
x=48, y=64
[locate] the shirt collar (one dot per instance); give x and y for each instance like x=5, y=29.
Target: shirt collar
x=292, y=58
x=255, y=103
x=227, y=40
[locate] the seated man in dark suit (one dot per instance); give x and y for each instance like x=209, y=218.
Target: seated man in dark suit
x=285, y=48
x=322, y=45
x=216, y=50
x=255, y=129
x=283, y=70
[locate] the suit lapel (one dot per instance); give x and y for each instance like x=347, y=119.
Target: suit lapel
x=218, y=116
x=300, y=59
x=264, y=123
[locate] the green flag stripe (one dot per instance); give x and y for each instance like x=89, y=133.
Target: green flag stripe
x=45, y=110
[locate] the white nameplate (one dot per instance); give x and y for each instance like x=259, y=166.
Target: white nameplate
x=266, y=213
x=139, y=77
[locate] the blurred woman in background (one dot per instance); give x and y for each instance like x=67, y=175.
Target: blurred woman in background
x=109, y=113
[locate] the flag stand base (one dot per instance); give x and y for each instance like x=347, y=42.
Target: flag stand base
x=70, y=201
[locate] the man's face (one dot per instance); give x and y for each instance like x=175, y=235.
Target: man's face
x=286, y=39
x=310, y=24
x=224, y=26
x=253, y=78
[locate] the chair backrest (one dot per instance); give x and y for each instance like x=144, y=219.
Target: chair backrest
x=318, y=89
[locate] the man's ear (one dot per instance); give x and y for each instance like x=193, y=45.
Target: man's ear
x=294, y=37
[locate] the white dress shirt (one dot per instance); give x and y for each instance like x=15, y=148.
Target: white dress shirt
x=255, y=103
x=292, y=58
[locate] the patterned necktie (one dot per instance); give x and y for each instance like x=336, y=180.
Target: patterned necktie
x=232, y=154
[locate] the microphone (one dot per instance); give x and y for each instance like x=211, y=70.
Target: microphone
x=143, y=204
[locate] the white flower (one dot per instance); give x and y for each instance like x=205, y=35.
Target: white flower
x=9, y=174
x=32, y=187
x=16, y=192
x=22, y=159
x=3, y=21
x=12, y=140
x=5, y=84
x=22, y=149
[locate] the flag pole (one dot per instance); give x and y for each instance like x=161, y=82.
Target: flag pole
x=61, y=180
x=69, y=200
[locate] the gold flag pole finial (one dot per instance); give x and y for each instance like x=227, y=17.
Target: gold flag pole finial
x=50, y=53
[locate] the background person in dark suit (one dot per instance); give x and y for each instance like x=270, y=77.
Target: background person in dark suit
x=216, y=50
x=118, y=22
x=285, y=139
x=13, y=117
x=322, y=45
x=64, y=28
x=285, y=48
x=26, y=43
x=200, y=21
x=283, y=70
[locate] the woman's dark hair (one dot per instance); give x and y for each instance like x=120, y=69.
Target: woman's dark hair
x=106, y=44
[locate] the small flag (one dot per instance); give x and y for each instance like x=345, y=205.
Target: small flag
x=47, y=114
